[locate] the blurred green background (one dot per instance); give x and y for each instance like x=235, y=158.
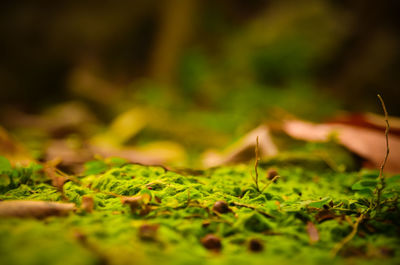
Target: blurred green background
x=199, y=52
x=200, y=72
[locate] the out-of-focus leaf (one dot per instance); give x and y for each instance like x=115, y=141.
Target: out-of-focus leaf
x=319, y=204
x=164, y=150
x=123, y=127
x=367, y=193
x=116, y=161
x=365, y=142
x=243, y=149
x=368, y=120
x=365, y=184
x=155, y=153
x=370, y=176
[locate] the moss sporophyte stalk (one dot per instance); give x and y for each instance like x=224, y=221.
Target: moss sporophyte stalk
x=130, y=213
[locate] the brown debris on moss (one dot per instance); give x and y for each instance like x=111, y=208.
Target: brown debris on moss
x=36, y=209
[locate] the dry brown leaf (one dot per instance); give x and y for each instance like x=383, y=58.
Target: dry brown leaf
x=37, y=209
x=365, y=142
x=368, y=120
x=312, y=232
x=243, y=149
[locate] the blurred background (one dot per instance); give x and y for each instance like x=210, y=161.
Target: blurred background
x=190, y=74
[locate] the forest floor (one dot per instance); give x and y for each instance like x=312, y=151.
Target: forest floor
x=281, y=212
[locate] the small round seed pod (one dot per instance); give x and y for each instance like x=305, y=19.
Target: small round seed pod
x=272, y=173
x=255, y=245
x=221, y=207
x=211, y=242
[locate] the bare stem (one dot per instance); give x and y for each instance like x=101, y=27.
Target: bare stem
x=348, y=238
x=270, y=182
x=381, y=177
x=256, y=164
x=378, y=190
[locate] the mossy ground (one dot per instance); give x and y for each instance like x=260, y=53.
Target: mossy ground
x=181, y=205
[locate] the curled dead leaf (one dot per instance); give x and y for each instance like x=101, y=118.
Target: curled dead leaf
x=366, y=142
x=36, y=209
x=243, y=149
x=368, y=120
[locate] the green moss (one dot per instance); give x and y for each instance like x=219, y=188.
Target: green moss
x=182, y=207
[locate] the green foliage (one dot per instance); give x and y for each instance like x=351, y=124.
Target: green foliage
x=11, y=178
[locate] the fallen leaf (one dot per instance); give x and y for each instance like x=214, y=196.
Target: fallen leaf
x=36, y=209
x=368, y=120
x=365, y=142
x=122, y=128
x=312, y=232
x=243, y=149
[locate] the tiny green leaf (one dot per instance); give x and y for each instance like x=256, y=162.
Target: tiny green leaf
x=365, y=184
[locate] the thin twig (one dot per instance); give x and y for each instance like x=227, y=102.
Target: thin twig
x=381, y=177
x=378, y=190
x=386, y=136
x=256, y=164
x=348, y=238
x=253, y=208
x=269, y=183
